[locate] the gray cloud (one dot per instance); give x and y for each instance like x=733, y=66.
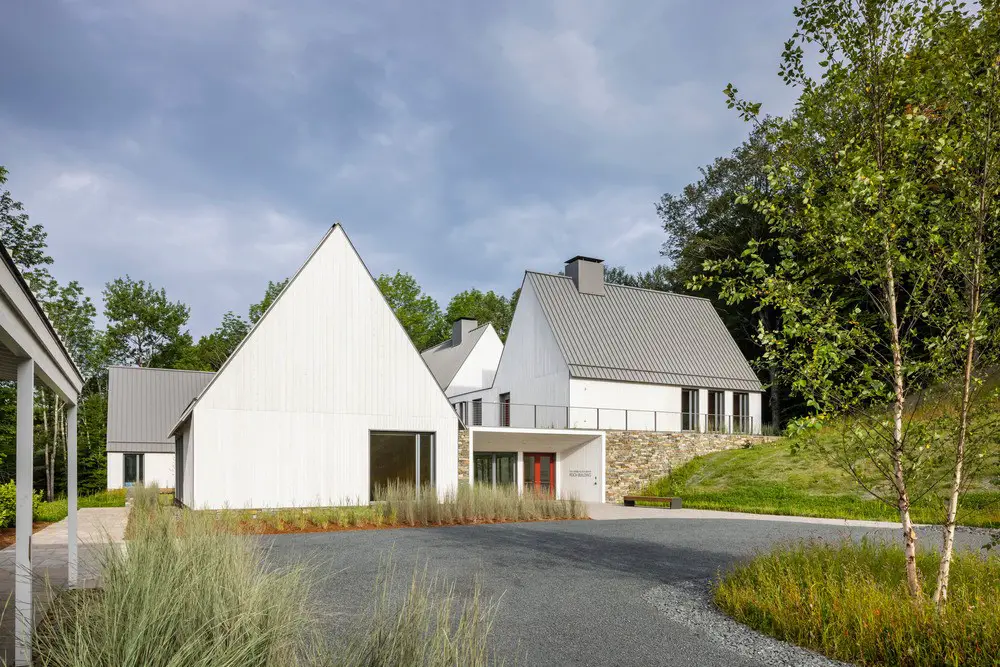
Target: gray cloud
x=206, y=146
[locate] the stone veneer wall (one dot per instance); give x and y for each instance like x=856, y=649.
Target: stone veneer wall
x=463, y=454
x=636, y=458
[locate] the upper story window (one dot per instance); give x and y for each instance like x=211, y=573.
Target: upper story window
x=477, y=412
x=716, y=411
x=742, y=422
x=505, y=409
x=689, y=409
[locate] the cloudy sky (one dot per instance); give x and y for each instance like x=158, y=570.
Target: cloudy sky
x=206, y=145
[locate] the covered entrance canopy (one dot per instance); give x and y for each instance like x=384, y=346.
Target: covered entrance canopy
x=30, y=348
x=566, y=463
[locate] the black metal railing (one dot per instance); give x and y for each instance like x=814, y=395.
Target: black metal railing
x=534, y=415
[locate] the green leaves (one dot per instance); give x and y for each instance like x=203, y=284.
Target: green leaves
x=417, y=312
x=143, y=325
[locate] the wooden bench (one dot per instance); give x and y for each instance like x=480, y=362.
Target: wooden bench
x=675, y=503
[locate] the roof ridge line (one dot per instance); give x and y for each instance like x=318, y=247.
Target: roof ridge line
x=633, y=287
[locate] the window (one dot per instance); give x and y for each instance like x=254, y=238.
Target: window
x=477, y=412
x=133, y=470
x=462, y=408
x=400, y=458
x=495, y=469
x=505, y=409
x=716, y=411
x=179, y=467
x=689, y=409
x=741, y=413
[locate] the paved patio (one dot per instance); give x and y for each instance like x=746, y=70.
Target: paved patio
x=97, y=528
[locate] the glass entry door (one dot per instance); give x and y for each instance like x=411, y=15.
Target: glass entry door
x=540, y=473
x=495, y=468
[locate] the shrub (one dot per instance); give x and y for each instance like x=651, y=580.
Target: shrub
x=183, y=592
x=8, y=504
x=473, y=504
x=850, y=602
x=430, y=627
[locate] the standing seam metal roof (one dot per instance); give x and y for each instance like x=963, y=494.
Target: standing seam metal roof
x=639, y=335
x=444, y=359
x=144, y=403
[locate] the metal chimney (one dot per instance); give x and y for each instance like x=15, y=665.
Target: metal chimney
x=587, y=274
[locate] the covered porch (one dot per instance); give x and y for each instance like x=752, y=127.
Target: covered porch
x=565, y=463
x=30, y=350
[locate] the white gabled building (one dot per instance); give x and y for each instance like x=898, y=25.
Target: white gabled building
x=582, y=353
x=143, y=405
x=466, y=361
x=325, y=398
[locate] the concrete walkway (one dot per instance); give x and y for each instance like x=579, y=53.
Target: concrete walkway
x=97, y=527
x=608, y=511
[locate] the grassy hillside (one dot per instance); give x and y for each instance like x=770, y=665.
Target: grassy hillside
x=771, y=479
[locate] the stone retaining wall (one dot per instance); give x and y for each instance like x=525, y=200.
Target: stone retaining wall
x=636, y=458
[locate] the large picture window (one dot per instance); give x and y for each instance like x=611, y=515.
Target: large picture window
x=400, y=458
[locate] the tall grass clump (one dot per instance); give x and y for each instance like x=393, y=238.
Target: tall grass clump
x=850, y=602
x=430, y=626
x=478, y=503
x=182, y=592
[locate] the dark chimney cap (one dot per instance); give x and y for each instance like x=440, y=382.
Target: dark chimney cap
x=459, y=319
x=585, y=259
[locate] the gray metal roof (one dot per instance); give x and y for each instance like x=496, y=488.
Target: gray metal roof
x=144, y=403
x=444, y=359
x=641, y=335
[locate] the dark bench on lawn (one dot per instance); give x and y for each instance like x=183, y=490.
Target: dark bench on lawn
x=675, y=503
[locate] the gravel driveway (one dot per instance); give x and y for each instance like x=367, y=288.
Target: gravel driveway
x=628, y=592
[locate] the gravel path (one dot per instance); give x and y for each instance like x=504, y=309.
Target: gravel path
x=629, y=592
x=690, y=604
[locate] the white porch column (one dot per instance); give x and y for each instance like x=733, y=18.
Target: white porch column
x=23, y=619
x=71, y=556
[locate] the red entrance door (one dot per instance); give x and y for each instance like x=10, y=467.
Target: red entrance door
x=540, y=473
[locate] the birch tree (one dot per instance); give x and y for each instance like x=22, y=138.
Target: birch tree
x=865, y=219
x=967, y=341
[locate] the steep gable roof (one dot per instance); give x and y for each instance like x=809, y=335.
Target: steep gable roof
x=324, y=258
x=446, y=359
x=640, y=335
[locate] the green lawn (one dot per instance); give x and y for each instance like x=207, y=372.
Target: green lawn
x=59, y=508
x=770, y=479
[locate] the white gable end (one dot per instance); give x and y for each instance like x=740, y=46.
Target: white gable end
x=286, y=421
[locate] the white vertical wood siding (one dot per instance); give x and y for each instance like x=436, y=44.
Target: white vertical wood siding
x=531, y=369
x=480, y=367
x=286, y=422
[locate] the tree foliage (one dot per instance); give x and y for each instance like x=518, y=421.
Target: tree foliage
x=485, y=307
x=143, y=324
x=861, y=241
x=417, y=312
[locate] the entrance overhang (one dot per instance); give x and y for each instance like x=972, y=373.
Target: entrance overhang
x=580, y=455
